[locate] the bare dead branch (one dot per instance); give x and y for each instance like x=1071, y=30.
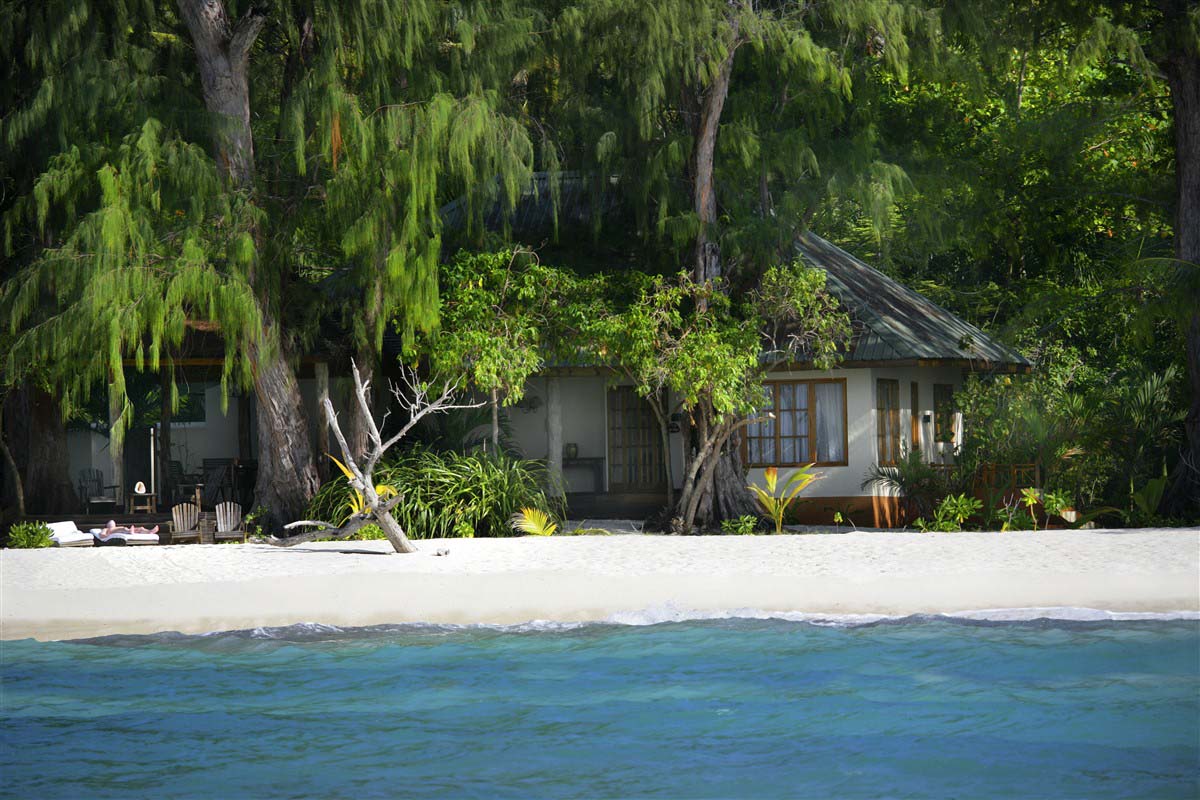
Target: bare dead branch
x=419, y=406
x=361, y=478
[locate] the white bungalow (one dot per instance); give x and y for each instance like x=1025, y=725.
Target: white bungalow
x=894, y=392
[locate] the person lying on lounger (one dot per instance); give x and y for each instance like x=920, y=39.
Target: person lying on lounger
x=112, y=527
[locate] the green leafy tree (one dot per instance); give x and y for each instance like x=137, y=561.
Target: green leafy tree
x=499, y=319
x=680, y=339
x=150, y=193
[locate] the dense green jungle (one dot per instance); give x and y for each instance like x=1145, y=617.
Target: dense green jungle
x=479, y=187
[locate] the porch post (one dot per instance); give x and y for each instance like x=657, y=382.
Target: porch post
x=166, y=492
x=244, y=420
x=554, y=439
x=116, y=443
x=321, y=371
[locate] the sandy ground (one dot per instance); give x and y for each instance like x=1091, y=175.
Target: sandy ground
x=71, y=593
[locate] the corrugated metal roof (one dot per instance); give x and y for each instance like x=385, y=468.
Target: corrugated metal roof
x=893, y=322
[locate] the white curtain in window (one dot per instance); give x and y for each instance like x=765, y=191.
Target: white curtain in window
x=831, y=422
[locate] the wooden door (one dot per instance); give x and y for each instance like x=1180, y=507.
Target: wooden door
x=635, y=460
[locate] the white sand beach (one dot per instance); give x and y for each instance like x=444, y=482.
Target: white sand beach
x=72, y=593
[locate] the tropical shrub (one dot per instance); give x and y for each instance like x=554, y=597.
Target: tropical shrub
x=951, y=514
x=776, y=505
x=914, y=479
x=369, y=532
x=448, y=495
x=740, y=526
x=1093, y=433
x=29, y=535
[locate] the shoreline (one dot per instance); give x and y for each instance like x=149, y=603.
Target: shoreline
x=87, y=592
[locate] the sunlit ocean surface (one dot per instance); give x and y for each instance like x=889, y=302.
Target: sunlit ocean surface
x=921, y=707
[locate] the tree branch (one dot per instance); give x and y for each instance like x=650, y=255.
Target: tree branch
x=326, y=530
x=245, y=33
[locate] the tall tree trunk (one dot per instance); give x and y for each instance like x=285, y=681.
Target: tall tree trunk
x=37, y=440
x=729, y=484
x=707, y=255
x=321, y=373
x=1182, y=68
x=223, y=57
x=496, y=421
x=287, y=474
x=13, y=486
x=714, y=502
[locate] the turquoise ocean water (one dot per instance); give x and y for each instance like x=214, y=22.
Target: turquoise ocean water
x=920, y=707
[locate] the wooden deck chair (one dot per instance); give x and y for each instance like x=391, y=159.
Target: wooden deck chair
x=218, y=480
x=185, y=522
x=93, y=491
x=229, y=522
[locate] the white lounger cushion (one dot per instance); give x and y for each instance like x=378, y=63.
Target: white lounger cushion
x=130, y=538
x=65, y=534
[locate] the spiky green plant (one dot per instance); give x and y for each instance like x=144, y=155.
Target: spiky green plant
x=776, y=505
x=534, y=522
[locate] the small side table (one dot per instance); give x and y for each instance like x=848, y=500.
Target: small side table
x=143, y=503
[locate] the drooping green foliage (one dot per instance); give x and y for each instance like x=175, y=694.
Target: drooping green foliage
x=127, y=229
x=139, y=212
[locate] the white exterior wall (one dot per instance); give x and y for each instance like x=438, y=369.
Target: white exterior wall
x=861, y=423
x=216, y=437
x=584, y=410
x=584, y=422
x=925, y=377
x=860, y=434
x=88, y=449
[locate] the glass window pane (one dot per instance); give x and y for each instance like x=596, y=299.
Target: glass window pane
x=831, y=428
x=787, y=396
x=787, y=423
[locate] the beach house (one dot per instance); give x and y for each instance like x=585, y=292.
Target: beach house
x=893, y=393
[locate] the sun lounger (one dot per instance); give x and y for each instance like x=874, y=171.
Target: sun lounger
x=65, y=534
x=122, y=538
